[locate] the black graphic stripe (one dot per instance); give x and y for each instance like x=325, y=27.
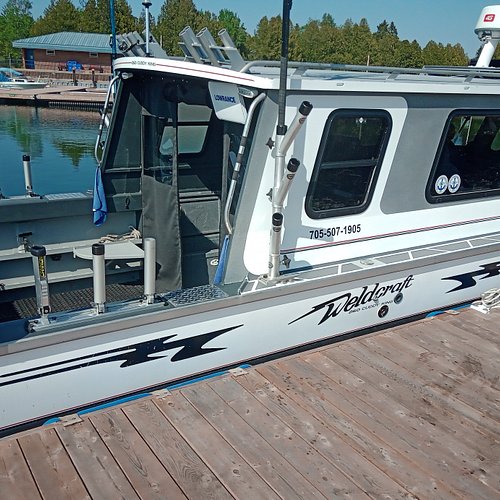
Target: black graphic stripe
x=134, y=354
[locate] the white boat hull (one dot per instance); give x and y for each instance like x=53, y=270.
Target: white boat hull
x=65, y=376
x=22, y=85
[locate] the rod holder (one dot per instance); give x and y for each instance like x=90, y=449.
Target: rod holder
x=299, y=119
x=274, y=258
x=38, y=255
x=99, y=273
x=149, y=246
x=27, y=175
x=286, y=182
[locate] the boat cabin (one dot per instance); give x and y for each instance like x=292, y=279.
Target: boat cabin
x=385, y=154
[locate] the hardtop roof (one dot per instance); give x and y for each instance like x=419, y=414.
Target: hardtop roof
x=323, y=77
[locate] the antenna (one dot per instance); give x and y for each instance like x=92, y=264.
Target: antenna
x=488, y=31
x=146, y=5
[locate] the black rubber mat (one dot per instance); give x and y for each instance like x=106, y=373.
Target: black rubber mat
x=65, y=301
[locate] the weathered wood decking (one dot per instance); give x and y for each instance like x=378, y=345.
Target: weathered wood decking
x=409, y=412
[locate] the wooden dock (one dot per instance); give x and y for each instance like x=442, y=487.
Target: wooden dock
x=55, y=96
x=411, y=412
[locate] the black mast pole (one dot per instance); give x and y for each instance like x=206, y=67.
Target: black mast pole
x=285, y=32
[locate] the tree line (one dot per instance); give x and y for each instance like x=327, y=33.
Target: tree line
x=321, y=40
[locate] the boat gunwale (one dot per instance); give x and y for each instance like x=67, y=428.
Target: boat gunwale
x=287, y=284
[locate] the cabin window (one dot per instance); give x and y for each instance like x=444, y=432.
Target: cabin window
x=468, y=161
x=193, y=127
x=349, y=158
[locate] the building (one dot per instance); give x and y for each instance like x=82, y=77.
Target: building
x=60, y=51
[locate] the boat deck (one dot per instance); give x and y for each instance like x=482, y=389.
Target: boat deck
x=408, y=412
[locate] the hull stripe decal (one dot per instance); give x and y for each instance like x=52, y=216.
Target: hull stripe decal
x=386, y=235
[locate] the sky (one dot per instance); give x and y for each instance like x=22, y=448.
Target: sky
x=445, y=21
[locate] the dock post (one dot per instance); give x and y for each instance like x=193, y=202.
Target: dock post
x=38, y=254
x=99, y=271
x=149, y=269
x=27, y=175
x=75, y=83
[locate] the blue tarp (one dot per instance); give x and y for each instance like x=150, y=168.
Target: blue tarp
x=99, y=207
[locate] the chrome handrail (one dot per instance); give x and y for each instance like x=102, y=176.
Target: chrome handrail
x=104, y=119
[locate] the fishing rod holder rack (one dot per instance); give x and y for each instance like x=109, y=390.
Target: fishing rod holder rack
x=201, y=48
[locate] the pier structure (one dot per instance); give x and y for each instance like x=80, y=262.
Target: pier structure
x=59, y=96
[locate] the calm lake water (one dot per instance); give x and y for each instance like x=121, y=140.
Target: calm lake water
x=60, y=143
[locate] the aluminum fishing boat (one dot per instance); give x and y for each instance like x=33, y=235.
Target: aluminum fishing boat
x=254, y=208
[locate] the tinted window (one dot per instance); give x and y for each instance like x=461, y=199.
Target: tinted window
x=349, y=158
x=468, y=161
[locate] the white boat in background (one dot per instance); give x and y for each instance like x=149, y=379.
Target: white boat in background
x=275, y=206
x=12, y=79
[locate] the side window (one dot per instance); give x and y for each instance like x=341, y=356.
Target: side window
x=468, y=160
x=349, y=158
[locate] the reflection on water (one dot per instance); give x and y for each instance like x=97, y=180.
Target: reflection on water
x=60, y=143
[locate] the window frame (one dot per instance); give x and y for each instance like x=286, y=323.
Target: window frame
x=50, y=52
x=456, y=197
x=336, y=212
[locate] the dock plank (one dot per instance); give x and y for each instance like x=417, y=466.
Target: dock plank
x=422, y=408
x=424, y=383
x=93, y=461
x=318, y=433
x=198, y=411
x=187, y=469
x=462, y=374
x=409, y=412
x=142, y=468
x=51, y=466
x=397, y=475
x=437, y=454
x=307, y=461
x=16, y=481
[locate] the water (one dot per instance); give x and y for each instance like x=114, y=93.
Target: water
x=61, y=146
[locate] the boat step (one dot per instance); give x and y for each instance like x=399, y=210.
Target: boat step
x=202, y=293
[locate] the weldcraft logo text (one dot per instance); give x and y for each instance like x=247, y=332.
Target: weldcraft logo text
x=349, y=301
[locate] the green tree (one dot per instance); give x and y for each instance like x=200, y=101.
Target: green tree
x=125, y=20
x=358, y=43
x=95, y=17
x=60, y=15
x=174, y=16
x=90, y=17
x=386, y=45
x=266, y=43
x=436, y=54
x=409, y=55
x=15, y=23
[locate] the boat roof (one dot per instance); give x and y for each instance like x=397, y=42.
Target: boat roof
x=11, y=71
x=303, y=76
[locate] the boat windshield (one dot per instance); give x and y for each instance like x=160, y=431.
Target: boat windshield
x=7, y=74
x=161, y=120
